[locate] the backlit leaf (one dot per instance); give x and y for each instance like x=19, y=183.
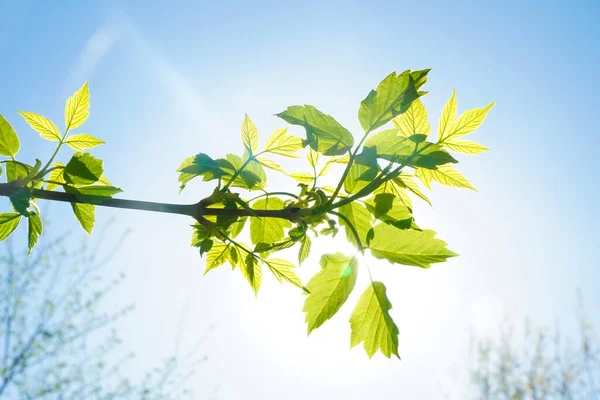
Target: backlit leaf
x=9, y=141
x=408, y=247
x=265, y=162
x=329, y=288
x=468, y=122
x=8, y=223
x=465, y=146
x=34, y=230
x=323, y=133
x=283, y=269
x=282, y=144
x=198, y=165
x=305, y=245
x=56, y=175
x=77, y=109
x=41, y=124
x=372, y=324
x=85, y=215
x=446, y=175
x=252, y=271
x=405, y=180
x=83, y=141
x=303, y=177
x=267, y=230
x=360, y=218
x=83, y=169
x=448, y=117
x=414, y=121
x=249, y=135
x=216, y=256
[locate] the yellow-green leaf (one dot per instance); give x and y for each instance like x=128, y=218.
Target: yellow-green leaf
x=329, y=288
x=216, y=256
x=282, y=144
x=77, y=109
x=303, y=177
x=465, y=146
x=8, y=223
x=283, y=269
x=408, y=247
x=249, y=135
x=267, y=230
x=468, y=122
x=83, y=141
x=313, y=158
x=9, y=141
x=414, y=121
x=34, y=230
x=252, y=271
x=41, y=124
x=56, y=175
x=397, y=190
x=447, y=118
x=446, y=175
x=360, y=218
x=85, y=215
x=406, y=180
x=372, y=324
x=265, y=162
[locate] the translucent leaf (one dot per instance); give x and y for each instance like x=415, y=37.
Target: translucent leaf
x=329, y=288
x=313, y=158
x=414, y=121
x=392, y=97
x=389, y=209
x=468, y=122
x=372, y=324
x=8, y=223
x=249, y=135
x=405, y=180
x=93, y=190
x=447, y=118
x=252, y=271
x=303, y=177
x=408, y=247
x=77, y=108
x=41, y=124
x=83, y=141
x=392, y=187
x=34, y=230
x=198, y=165
x=465, y=146
x=216, y=256
x=267, y=230
x=284, y=270
x=85, y=215
x=360, y=218
x=305, y=245
x=446, y=175
x=16, y=170
x=9, y=141
x=323, y=133
x=265, y=162
x=56, y=175
x=83, y=169
x=282, y=144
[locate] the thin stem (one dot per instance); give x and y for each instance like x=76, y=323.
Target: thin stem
x=274, y=194
x=352, y=229
x=44, y=170
x=347, y=170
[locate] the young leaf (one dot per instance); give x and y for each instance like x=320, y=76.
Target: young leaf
x=34, y=230
x=413, y=121
x=8, y=223
x=93, y=190
x=9, y=141
x=249, y=135
x=83, y=141
x=408, y=247
x=305, y=245
x=323, y=133
x=405, y=180
x=313, y=158
x=372, y=324
x=77, y=109
x=83, y=169
x=16, y=170
x=392, y=97
x=447, y=118
x=360, y=218
x=387, y=208
x=41, y=124
x=265, y=162
x=283, y=269
x=216, y=256
x=56, y=175
x=329, y=288
x=446, y=175
x=468, y=122
x=396, y=189
x=198, y=165
x=465, y=146
x=252, y=271
x=85, y=215
x=267, y=230
x=302, y=177
x=282, y=144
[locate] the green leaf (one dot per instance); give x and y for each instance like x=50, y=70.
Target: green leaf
x=16, y=170
x=398, y=190
x=323, y=133
x=83, y=192
x=265, y=162
x=9, y=141
x=282, y=144
x=236, y=227
x=83, y=141
x=8, y=223
x=41, y=124
x=362, y=171
x=414, y=121
x=305, y=245
x=329, y=288
x=198, y=165
x=85, y=215
x=56, y=175
x=252, y=271
x=387, y=208
x=249, y=135
x=408, y=247
x=253, y=176
x=447, y=118
x=216, y=256
x=446, y=175
x=360, y=218
x=20, y=201
x=34, y=230
x=302, y=177
x=465, y=146
x=405, y=180
x=283, y=269
x=313, y=158
x=372, y=324
x=468, y=122
x=267, y=230
x=83, y=169
x=77, y=109
x=392, y=97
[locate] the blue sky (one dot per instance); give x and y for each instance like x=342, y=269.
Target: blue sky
x=170, y=80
